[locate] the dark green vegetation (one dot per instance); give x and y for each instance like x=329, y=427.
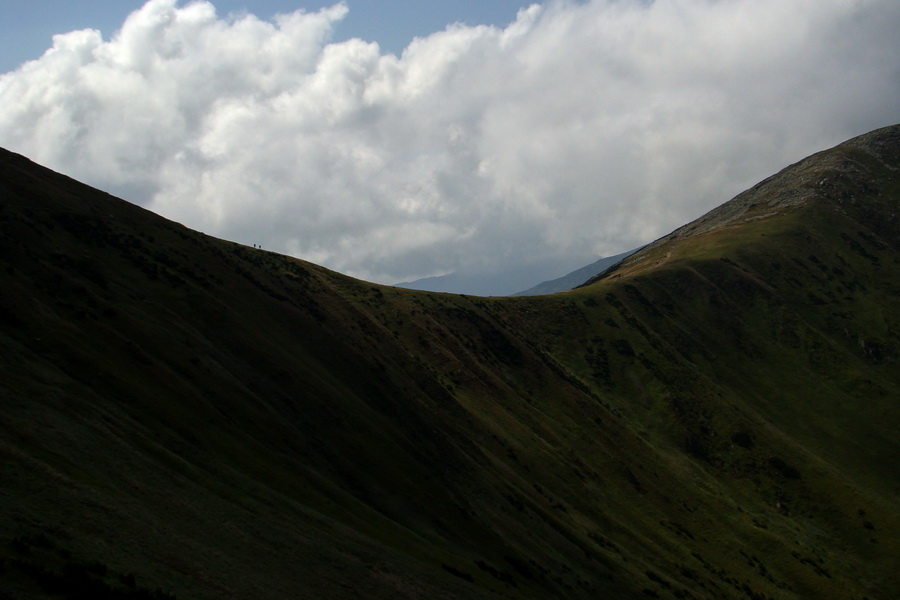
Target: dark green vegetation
x=716, y=418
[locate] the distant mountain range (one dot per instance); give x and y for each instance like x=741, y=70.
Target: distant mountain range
x=505, y=282
x=482, y=284
x=715, y=416
x=509, y=281
x=575, y=278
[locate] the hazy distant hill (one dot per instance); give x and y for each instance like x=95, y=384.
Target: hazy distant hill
x=491, y=283
x=575, y=278
x=717, y=417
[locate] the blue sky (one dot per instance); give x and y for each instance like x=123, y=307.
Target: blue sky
x=27, y=27
x=557, y=134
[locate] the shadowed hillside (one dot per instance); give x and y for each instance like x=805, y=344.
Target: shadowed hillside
x=186, y=417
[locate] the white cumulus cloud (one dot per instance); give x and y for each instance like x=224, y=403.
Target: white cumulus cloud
x=580, y=129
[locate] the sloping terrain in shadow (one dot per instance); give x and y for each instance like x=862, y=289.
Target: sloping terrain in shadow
x=186, y=417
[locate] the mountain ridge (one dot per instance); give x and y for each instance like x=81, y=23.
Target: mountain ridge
x=221, y=421
x=770, y=197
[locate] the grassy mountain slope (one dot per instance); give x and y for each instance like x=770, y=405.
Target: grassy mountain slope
x=714, y=419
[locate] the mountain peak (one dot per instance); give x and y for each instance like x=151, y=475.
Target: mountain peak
x=831, y=176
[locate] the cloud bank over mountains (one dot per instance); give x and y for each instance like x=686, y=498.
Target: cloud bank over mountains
x=580, y=129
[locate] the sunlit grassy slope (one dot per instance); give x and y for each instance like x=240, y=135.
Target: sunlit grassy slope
x=186, y=417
